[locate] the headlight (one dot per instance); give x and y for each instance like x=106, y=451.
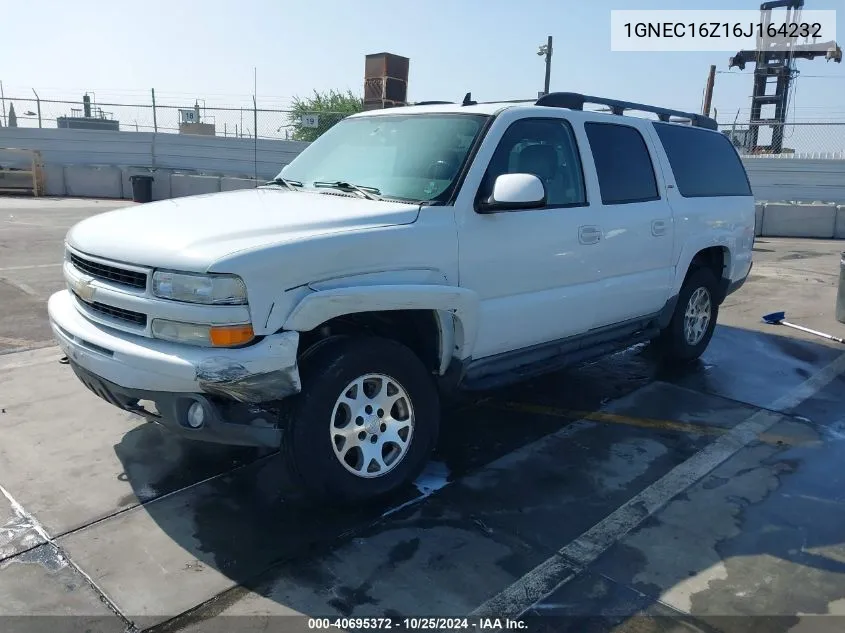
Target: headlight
x=204, y=335
x=208, y=289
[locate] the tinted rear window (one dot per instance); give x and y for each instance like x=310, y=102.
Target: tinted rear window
x=622, y=162
x=705, y=163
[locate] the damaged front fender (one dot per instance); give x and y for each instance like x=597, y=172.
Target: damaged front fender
x=271, y=377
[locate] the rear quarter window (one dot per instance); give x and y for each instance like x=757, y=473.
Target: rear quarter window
x=705, y=163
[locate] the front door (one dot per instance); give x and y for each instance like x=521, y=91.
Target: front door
x=535, y=270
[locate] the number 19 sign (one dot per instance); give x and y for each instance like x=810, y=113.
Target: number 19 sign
x=310, y=120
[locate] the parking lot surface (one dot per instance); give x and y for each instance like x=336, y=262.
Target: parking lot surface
x=620, y=495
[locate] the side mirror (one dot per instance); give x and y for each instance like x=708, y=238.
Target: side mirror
x=515, y=191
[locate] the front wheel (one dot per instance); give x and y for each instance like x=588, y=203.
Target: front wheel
x=365, y=423
x=694, y=319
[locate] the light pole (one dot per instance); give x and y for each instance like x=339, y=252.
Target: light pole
x=546, y=50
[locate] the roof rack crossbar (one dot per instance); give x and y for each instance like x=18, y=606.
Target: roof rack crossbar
x=576, y=101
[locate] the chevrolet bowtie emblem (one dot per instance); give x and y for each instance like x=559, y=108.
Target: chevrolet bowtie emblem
x=83, y=287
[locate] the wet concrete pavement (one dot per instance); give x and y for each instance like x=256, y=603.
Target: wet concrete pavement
x=708, y=498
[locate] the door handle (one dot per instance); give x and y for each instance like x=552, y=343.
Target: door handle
x=589, y=234
x=658, y=227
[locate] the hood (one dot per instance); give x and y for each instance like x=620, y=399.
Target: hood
x=192, y=233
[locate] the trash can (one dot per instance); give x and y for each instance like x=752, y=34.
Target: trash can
x=840, y=292
x=142, y=188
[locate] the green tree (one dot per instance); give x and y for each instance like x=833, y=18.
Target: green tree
x=328, y=107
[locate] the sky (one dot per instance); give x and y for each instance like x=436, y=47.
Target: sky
x=208, y=49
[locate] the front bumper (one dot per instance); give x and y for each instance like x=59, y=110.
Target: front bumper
x=250, y=427
x=132, y=367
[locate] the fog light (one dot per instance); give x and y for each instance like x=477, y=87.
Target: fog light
x=196, y=415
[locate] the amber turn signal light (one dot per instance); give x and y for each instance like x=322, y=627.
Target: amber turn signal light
x=230, y=335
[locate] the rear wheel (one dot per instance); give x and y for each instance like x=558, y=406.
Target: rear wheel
x=365, y=423
x=691, y=328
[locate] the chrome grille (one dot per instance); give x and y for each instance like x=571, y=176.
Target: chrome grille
x=116, y=275
x=120, y=314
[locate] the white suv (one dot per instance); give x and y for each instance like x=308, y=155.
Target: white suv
x=406, y=252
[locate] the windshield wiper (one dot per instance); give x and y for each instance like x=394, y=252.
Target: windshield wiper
x=370, y=193
x=293, y=185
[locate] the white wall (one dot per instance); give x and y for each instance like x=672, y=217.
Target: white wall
x=773, y=179
x=200, y=154
x=794, y=179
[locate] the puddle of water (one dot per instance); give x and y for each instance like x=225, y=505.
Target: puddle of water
x=835, y=431
x=17, y=534
x=434, y=477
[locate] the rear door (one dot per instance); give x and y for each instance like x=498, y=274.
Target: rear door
x=636, y=221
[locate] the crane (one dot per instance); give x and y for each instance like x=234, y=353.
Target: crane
x=775, y=63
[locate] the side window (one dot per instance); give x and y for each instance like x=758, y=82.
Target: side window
x=545, y=148
x=623, y=164
x=705, y=163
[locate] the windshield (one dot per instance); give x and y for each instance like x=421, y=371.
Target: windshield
x=408, y=157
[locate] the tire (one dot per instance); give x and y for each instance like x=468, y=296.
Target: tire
x=699, y=287
x=321, y=449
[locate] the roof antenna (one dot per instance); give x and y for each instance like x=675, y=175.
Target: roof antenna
x=468, y=100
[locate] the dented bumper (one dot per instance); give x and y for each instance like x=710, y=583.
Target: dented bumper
x=262, y=372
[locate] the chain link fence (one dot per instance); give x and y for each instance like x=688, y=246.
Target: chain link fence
x=816, y=139
x=244, y=122
x=796, y=139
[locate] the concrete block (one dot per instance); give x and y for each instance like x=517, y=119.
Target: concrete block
x=54, y=180
x=839, y=227
x=21, y=180
x=228, y=183
x=783, y=219
x=190, y=185
x=161, y=184
x=92, y=181
x=759, y=209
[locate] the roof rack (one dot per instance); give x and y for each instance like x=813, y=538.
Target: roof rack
x=416, y=103
x=576, y=101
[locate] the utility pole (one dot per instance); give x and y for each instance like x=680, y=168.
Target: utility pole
x=155, y=120
x=708, y=91
x=546, y=50
x=38, y=103
x=3, y=101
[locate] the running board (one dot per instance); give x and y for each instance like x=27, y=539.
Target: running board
x=555, y=361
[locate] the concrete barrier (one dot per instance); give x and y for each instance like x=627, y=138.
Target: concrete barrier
x=839, y=227
x=190, y=185
x=784, y=219
x=85, y=181
x=759, y=209
x=161, y=184
x=54, y=180
x=228, y=183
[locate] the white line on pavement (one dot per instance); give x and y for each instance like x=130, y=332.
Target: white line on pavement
x=19, y=510
x=29, y=267
x=574, y=557
x=30, y=357
x=23, y=287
